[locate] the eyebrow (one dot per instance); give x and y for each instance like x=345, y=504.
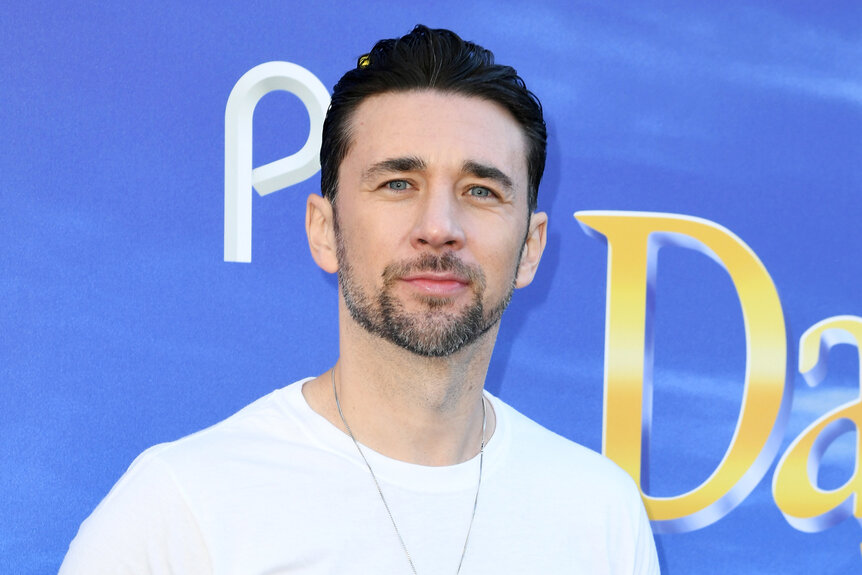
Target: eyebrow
x=417, y=164
x=392, y=165
x=487, y=172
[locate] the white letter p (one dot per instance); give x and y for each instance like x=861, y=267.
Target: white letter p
x=239, y=176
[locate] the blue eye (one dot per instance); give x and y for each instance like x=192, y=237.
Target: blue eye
x=480, y=192
x=398, y=185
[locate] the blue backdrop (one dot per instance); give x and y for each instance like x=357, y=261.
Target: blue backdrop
x=123, y=327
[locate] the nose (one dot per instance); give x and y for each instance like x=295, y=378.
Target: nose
x=438, y=221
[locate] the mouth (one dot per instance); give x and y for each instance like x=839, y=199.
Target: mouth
x=435, y=277
x=441, y=284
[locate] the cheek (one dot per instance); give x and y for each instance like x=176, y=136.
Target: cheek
x=501, y=271
x=366, y=250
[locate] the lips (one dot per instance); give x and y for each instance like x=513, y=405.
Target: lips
x=435, y=283
x=443, y=275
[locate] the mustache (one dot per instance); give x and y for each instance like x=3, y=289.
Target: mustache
x=428, y=262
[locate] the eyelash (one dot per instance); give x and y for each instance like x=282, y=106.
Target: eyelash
x=390, y=182
x=491, y=193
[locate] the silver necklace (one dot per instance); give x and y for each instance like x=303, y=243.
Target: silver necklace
x=380, y=491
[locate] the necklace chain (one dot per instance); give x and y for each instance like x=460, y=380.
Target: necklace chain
x=380, y=491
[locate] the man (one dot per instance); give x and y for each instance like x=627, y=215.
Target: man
x=395, y=460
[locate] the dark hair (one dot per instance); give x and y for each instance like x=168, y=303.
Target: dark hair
x=437, y=60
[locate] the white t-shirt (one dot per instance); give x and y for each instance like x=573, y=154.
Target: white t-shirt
x=277, y=489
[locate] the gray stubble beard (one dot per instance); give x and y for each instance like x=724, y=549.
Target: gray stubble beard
x=432, y=333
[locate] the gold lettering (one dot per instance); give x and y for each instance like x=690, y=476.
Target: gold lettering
x=794, y=485
x=633, y=240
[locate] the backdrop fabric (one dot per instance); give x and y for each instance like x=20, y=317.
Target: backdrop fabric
x=123, y=326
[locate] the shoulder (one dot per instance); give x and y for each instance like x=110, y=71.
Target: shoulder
x=179, y=467
x=157, y=511
x=269, y=419
x=535, y=447
x=584, y=502
x=144, y=525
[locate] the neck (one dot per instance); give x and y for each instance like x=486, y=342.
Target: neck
x=409, y=407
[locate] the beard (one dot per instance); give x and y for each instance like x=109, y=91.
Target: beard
x=433, y=332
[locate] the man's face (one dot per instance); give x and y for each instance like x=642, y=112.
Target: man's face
x=431, y=218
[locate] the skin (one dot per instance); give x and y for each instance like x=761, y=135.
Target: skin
x=426, y=173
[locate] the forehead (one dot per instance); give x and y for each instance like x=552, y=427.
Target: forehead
x=441, y=128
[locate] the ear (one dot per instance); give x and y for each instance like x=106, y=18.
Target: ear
x=320, y=229
x=533, y=248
